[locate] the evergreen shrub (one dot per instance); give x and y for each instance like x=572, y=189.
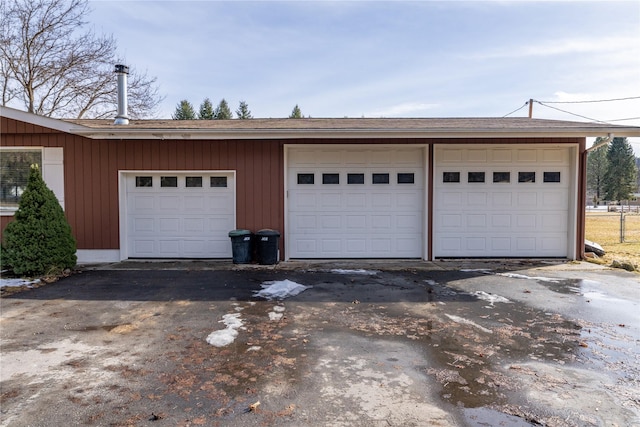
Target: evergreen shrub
x=39, y=239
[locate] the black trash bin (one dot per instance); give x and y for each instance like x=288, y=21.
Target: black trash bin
x=267, y=242
x=241, y=246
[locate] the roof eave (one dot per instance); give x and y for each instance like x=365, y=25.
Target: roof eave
x=227, y=134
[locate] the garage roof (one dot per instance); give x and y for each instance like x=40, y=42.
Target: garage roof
x=478, y=127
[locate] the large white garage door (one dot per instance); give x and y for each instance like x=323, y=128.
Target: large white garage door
x=497, y=201
x=355, y=202
x=179, y=215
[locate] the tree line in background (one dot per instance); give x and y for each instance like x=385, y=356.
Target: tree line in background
x=612, y=174
x=185, y=111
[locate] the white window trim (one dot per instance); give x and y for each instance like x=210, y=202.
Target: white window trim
x=52, y=172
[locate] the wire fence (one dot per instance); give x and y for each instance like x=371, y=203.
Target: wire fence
x=611, y=228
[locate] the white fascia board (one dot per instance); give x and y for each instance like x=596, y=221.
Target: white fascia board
x=47, y=122
x=186, y=134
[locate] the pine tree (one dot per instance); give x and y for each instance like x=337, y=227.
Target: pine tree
x=206, y=110
x=296, y=113
x=39, y=239
x=184, y=111
x=621, y=174
x=596, y=168
x=243, y=111
x=223, y=112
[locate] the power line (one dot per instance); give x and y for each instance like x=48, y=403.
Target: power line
x=569, y=112
x=515, y=111
x=586, y=102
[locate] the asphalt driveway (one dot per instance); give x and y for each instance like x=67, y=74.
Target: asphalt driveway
x=364, y=344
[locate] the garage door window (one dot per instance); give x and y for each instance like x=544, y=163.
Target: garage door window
x=380, y=178
x=502, y=177
x=551, y=177
x=406, y=178
x=305, y=178
x=218, y=181
x=450, y=176
x=355, y=178
x=194, y=182
x=169, y=181
x=144, y=181
x=331, y=178
x=526, y=177
x=475, y=177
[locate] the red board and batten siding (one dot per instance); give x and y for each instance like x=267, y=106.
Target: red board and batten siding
x=91, y=173
x=91, y=176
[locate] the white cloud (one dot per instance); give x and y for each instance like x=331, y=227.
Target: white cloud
x=626, y=45
x=404, y=109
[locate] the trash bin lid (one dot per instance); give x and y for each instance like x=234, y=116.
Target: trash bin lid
x=236, y=233
x=268, y=232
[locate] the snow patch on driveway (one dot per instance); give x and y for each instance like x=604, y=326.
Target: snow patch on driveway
x=490, y=298
x=14, y=283
x=280, y=289
x=464, y=321
x=227, y=335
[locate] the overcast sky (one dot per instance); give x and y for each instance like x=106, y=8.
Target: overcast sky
x=386, y=59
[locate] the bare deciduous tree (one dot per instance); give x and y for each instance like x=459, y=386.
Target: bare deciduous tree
x=55, y=68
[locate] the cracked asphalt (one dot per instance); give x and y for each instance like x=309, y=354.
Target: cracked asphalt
x=449, y=343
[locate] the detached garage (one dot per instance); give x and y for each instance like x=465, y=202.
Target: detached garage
x=334, y=188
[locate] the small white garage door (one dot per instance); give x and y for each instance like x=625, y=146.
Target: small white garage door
x=179, y=215
x=355, y=202
x=498, y=201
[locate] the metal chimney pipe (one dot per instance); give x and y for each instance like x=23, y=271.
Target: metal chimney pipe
x=122, y=118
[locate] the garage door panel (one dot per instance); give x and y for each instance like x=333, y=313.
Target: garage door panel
x=344, y=217
x=506, y=217
x=179, y=222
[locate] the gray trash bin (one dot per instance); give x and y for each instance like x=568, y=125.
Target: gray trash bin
x=241, y=246
x=267, y=246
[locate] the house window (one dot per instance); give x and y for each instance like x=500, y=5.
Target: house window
x=551, y=177
x=526, y=177
x=380, y=178
x=218, y=181
x=15, y=166
x=331, y=178
x=450, y=176
x=305, y=178
x=502, y=177
x=475, y=177
x=355, y=178
x=144, y=181
x=406, y=178
x=193, y=181
x=169, y=181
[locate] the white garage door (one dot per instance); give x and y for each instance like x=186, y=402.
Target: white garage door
x=498, y=201
x=179, y=215
x=355, y=202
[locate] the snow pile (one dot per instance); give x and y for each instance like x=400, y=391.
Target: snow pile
x=491, y=298
x=360, y=271
x=227, y=335
x=15, y=283
x=277, y=313
x=280, y=289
